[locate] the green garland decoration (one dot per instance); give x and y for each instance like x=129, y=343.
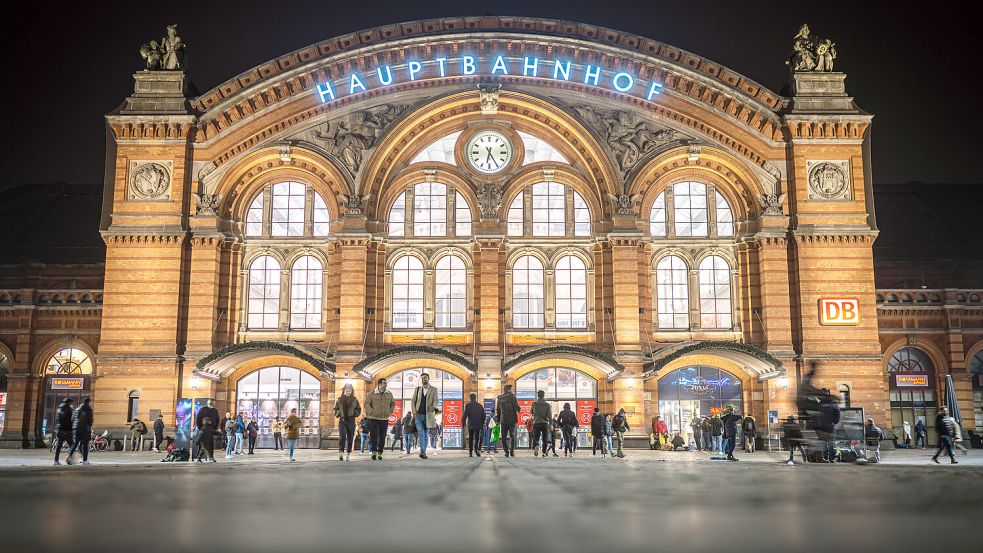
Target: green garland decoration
x=604, y=357
x=264, y=345
x=748, y=349
x=450, y=355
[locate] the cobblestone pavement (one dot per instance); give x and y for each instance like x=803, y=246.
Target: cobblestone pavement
x=646, y=502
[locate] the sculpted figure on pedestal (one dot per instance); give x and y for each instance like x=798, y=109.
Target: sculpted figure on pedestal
x=168, y=54
x=810, y=53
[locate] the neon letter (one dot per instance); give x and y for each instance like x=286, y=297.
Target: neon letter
x=558, y=68
x=324, y=91
x=355, y=82
x=414, y=68
x=622, y=76
x=440, y=62
x=527, y=67
x=388, y=79
x=590, y=74
x=654, y=90
x=500, y=66
x=468, y=63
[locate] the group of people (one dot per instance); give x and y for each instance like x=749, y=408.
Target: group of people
x=236, y=430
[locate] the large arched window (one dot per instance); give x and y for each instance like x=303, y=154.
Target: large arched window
x=556, y=210
x=254, y=217
x=672, y=291
x=430, y=209
x=264, y=293
x=911, y=382
x=69, y=361
x=548, y=209
x=657, y=218
x=725, y=218
x=689, y=214
x=288, y=214
x=451, y=294
x=715, y=310
x=910, y=360
x=305, y=293
x=288, y=209
x=407, y=293
x=527, y=293
x=432, y=213
x=571, y=293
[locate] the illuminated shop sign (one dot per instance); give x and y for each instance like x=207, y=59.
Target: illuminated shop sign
x=839, y=311
x=468, y=65
x=700, y=386
x=66, y=383
x=911, y=380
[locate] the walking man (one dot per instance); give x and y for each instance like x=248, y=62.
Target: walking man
x=82, y=426
x=63, y=427
x=363, y=431
x=542, y=413
x=507, y=415
x=206, y=421
x=597, y=433
x=568, y=425
x=620, y=426
x=379, y=404
x=729, y=421
x=158, y=433
x=425, y=406
x=474, y=419
x=792, y=435
x=944, y=428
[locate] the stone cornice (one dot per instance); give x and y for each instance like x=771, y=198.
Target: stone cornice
x=157, y=128
x=115, y=239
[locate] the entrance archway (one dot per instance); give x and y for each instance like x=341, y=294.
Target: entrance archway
x=271, y=392
x=560, y=385
x=697, y=390
x=67, y=374
x=911, y=380
x=450, y=400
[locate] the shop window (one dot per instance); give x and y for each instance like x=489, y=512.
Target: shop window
x=528, y=293
x=559, y=385
x=697, y=391
x=672, y=292
x=271, y=392
x=571, y=292
x=305, y=293
x=450, y=397
x=264, y=293
x=451, y=299
x=914, y=397
x=132, y=405
x=715, y=293
x=407, y=293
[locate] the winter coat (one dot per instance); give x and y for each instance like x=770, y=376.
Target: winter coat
x=697, y=426
x=620, y=423
x=706, y=425
x=831, y=416
x=943, y=425
x=277, y=427
x=873, y=433
x=507, y=409
x=409, y=426
x=159, y=427
x=542, y=412
x=230, y=426
x=660, y=428
x=431, y=404
x=253, y=429
x=353, y=411
x=792, y=434
x=597, y=425
x=749, y=427
x=716, y=426
x=730, y=424
x=378, y=406
x=919, y=428
x=568, y=419
x=207, y=416
x=397, y=431
x=474, y=415
x=608, y=428
x=291, y=427
x=82, y=419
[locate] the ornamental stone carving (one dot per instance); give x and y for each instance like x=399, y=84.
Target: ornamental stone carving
x=772, y=203
x=207, y=204
x=351, y=137
x=150, y=180
x=829, y=180
x=810, y=53
x=354, y=205
x=624, y=204
x=166, y=55
x=489, y=201
x=627, y=136
x=488, y=98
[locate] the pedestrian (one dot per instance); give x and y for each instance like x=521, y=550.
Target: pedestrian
x=697, y=432
x=792, y=436
x=827, y=424
x=206, y=422
x=474, y=420
x=568, y=426
x=379, y=404
x=730, y=420
x=620, y=426
x=291, y=428
x=240, y=433
x=491, y=433
x=906, y=434
x=252, y=432
x=220, y=429
x=346, y=410
x=597, y=432
x=363, y=436
x=542, y=413
x=957, y=436
x=158, y=433
x=138, y=429
x=507, y=416
x=277, y=434
x=529, y=431
x=706, y=429
x=397, y=433
x=409, y=431
x=750, y=429
x=945, y=429
x=609, y=433
x=661, y=432
x=229, y=427
x=554, y=433
x=424, y=405
x=873, y=436
x=921, y=433
x=435, y=432
x=82, y=429
x=716, y=433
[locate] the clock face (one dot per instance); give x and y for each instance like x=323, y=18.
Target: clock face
x=489, y=152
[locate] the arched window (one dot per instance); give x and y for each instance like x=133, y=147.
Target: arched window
x=539, y=150
x=462, y=216
x=397, y=216
x=305, y=293
x=657, y=217
x=976, y=366
x=430, y=209
x=515, y=216
x=910, y=360
x=672, y=290
x=288, y=216
x=320, y=226
x=548, y=209
x=264, y=293
x=69, y=361
x=715, y=295
x=581, y=216
x=571, y=293
x=133, y=405
x=527, y=293
x=912, y=390
x=254, y=217
x=451, y=294
x=725, y=218
x=407, y=293
x=288, y=209
x=690, y=208
x=441, y=150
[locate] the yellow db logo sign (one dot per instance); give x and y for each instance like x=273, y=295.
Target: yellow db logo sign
x=839, y=311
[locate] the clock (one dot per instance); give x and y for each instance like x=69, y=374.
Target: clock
x=489, y=152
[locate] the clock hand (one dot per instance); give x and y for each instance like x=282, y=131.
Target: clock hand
x=490, y=157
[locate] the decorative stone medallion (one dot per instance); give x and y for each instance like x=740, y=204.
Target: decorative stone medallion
x=150, y=180
x=829, y=180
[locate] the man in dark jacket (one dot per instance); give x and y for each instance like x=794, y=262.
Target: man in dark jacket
x=542, y=413
x=158, y=432
x=620, y=426
x=474, y=419
x=82, y=429
x=730, y=421
x=750, y=429
x=63, y=427
x=921, y=433
x=705, y=428
x=792, y=435
x=597, y=431
x=944, y=428
x=206, y=421
x=507, y=415
x=828, y=419
x=697, y=427
x=568, y=424
x=716, y=433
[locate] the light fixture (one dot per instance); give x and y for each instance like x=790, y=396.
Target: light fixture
x=783, y=382
x=195, y=383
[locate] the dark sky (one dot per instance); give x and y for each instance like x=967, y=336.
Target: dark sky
x=66, y=64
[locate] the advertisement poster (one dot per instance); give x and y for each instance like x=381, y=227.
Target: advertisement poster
x=772, y=417
x=185, y=421
x=452, y=413
x=525, y=410
x=585, y=410
x=489, y=408
x=397, y=414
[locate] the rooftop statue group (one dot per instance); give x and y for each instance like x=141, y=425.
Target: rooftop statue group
x=166, y=55
x=811, y=53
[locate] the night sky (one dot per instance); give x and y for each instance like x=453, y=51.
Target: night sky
x=67, y=64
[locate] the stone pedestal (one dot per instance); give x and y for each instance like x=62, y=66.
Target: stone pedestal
x=158, y=92
x=814, y=92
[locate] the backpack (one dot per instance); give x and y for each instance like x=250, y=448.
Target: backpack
x=176, y=456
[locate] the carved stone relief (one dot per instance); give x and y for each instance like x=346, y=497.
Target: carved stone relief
x=628, y=137
x=354, y=205
x=624, y=204
x=772, y=203
x=349, y=138
x=150, y=180
x=829, y=180
x=489, y=201
x=207, y=204
x=488, y=98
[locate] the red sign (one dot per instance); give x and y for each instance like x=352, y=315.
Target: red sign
x=397, y=414
x=585, y=411
x=525, y=411
x=839, y=311
x=911, y=380
x=3, y=398
x=452, y=413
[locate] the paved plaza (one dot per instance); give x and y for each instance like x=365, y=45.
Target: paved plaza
x=648, y=501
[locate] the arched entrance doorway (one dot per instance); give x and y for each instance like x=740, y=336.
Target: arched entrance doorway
x=560, y=385
x=271, y=392
x=67, y=374
x=977, y=370
x=697, y=390
x=450, y=400
x=911, y=379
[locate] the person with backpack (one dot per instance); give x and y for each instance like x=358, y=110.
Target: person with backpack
x=346, y=410
x=474, y=420
x=716, y=433
x=568, y=426
x=921, y=433
x=620, y=426
x=792, y=438
x=252, y=432
x=409, y=431
x=507, y=416
x=750, y=429
x=63, y=427
x=158, y=433
x=597, y=433
x=291, y=428
x=363, y=435
x=542, y=413
x=82, y=429
x=138, y=429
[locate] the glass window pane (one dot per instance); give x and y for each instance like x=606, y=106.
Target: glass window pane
x=288, y=209
x=690, y=208
x=407, y=293
x=264, y=292
x=715, y=294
